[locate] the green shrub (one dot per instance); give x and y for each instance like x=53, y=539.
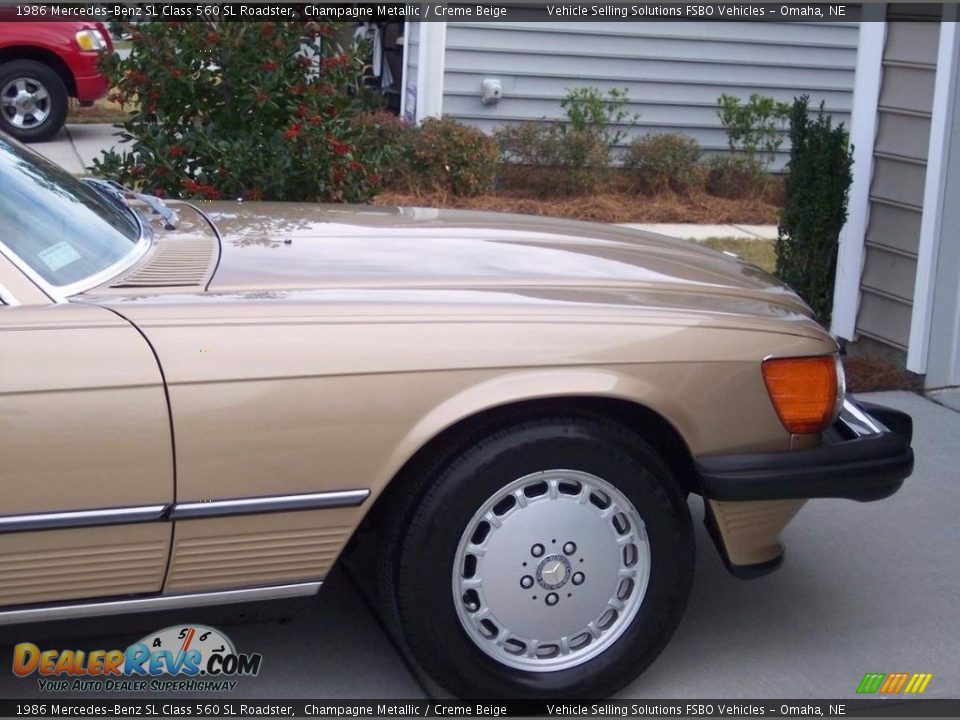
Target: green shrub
x=548, y=159
x=735, y=177
x=815, y=206
x=571, y=156
x=530, y=157
x=239, y=110
x=588, y=111
x=386, y=129
x=447, y=155
x=393, y=138
x=754, y=128
x=668, y=161
x=584, y=158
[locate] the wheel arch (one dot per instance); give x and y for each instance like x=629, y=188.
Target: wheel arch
x=45, y=57
x=638, y=418
x=443, y=434
x=453, y=426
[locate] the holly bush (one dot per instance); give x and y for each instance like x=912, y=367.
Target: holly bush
x=243, y=110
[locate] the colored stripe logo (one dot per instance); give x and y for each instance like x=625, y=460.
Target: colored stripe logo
x=893, y=683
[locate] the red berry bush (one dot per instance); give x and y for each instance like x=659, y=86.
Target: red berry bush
x=447, y=155
x=243, y=110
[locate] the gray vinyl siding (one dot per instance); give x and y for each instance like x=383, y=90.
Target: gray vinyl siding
x=899, y=174
x=674, y=71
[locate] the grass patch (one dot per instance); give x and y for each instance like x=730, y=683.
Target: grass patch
x=755, y=252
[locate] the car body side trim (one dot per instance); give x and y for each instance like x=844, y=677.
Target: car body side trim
x=182, y=511
x=155, y=603
x=82, y=518
x=274, y=503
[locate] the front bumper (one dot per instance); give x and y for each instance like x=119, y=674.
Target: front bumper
x=865, y=455
x=91, y=87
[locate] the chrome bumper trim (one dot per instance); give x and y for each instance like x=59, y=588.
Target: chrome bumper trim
x=857, y=421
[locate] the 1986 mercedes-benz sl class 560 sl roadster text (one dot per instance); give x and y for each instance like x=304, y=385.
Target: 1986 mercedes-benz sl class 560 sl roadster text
x=203, y=405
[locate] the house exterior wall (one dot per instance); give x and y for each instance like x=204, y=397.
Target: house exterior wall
x=943, y=369
x=674, y=71
x=896, y=197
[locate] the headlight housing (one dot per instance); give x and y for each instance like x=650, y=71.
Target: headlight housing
x=91, y=40
x=806, y=392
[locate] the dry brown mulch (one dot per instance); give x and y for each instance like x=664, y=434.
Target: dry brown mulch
x=868, y=375
x=613, y=206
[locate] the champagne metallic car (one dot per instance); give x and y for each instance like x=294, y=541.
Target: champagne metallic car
x=204, y=405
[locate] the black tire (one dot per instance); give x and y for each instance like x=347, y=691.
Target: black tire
x=420, y=562
x=35, y=75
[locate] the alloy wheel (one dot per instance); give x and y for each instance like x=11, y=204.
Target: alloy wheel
x=551, y=570
x=25, y=103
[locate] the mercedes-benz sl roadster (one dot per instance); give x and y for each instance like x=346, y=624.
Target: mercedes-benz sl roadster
x=203, y=404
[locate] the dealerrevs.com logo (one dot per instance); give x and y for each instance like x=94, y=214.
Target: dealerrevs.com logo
x=198, y=657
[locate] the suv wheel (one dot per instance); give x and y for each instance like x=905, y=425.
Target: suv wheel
x=553, y=558
x=33, y=100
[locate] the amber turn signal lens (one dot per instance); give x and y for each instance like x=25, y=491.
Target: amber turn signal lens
x=803, y=390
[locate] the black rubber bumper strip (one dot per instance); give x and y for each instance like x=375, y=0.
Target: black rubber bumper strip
x=864, y=468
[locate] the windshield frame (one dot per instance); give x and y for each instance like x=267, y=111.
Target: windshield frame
x=60, y=293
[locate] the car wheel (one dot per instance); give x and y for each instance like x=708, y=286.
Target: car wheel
x=552, y=558
x=33, y=100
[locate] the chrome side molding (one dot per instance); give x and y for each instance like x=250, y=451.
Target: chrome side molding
x=82, y=518
x=274, y=503
x=182, y=511
x=72, y=611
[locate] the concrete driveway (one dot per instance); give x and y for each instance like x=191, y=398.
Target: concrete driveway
x=865, y=588
x=75, y=146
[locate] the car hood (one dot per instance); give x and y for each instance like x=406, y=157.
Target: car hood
x=281, y=246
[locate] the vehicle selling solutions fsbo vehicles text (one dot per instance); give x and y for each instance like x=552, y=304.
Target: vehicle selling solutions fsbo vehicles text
x=693, y=11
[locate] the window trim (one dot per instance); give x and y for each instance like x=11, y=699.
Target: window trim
x=7, y=298
x=59, y=293
x=32, y=275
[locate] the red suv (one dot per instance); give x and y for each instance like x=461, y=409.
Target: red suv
x=42, y=64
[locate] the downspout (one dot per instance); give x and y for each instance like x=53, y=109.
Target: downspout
x=432, y=52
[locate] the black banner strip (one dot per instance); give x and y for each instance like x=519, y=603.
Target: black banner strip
x=480, y=11
x=126, y=707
